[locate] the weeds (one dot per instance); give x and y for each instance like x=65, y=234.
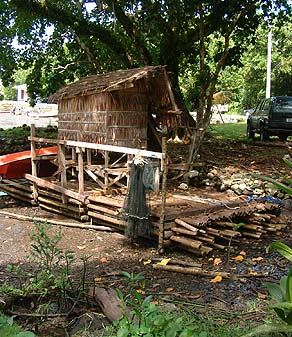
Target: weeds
x=146, y=318
x=8, y=328
x=52, y=266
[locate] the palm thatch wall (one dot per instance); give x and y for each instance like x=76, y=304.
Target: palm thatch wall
x=113, y=108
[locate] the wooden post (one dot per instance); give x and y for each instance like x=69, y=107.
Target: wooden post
x=106, y=163
x=80, y=170
x=88, y=157
x=73, y=153
x=62, y=168
x=163, y=195
x=33, y=163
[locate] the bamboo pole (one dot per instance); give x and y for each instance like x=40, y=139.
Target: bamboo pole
x=186, y=225
x=106, y=218
x=55, y=222
x=187, y=242
x=106, y=165
x=33, y=163
x=62, y=169
x=80, y=171
x=183, y=231
x=163, y=195
x=103, y=209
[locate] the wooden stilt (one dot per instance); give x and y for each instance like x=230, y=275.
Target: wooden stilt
x=163, y=195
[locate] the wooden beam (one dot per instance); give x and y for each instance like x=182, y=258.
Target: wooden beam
x=104, y=147
x=46, y=184
x=34, y=171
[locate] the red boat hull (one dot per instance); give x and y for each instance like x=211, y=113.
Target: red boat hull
x=16, y=165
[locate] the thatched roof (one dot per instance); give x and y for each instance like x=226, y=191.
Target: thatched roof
x=114, y=80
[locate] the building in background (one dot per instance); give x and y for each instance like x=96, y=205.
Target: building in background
x=22, y=95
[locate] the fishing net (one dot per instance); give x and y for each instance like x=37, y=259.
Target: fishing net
x=136, y=210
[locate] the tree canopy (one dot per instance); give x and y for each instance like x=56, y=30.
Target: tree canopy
x=60, y=41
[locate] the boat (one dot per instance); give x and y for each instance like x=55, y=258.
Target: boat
x=16, y=165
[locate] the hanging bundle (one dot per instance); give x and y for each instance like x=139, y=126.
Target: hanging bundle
x=136, y=211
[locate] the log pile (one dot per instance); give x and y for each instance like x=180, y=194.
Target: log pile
x=20, y=189
x=201, y=234
x=191, y=226
x=106, y=210
x=52, y=201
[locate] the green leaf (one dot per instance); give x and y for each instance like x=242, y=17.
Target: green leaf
x=268, y=328
x=283, y=187
x=282, y=305
x=287, y=162
x=25, y=334
x=126, y=274
x=283, y=249
x=275, y=291
x=289, y=287
x=123, y=332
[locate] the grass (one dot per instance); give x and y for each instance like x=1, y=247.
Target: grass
x=235, y=131
x=22, y=132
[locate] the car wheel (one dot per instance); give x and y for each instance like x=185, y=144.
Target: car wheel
x=264, y=135
x=283, y=138
x=249, y=132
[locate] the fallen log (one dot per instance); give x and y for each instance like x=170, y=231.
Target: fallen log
x=191, y=270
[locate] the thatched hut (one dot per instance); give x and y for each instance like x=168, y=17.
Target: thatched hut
x=116, y=108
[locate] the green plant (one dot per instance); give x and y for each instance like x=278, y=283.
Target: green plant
x=145, y=318
x=8, y=328
x=284, y=187
x=52, y=265
x=282, y=294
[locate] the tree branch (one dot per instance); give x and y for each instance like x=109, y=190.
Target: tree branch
x=81, y=27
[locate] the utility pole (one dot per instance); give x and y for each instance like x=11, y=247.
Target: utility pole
x=269, y=64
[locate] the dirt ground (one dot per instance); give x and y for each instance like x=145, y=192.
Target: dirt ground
x=111, y=253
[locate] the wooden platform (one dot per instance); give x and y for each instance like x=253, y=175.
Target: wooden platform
x=88, y=189
x=197, y=224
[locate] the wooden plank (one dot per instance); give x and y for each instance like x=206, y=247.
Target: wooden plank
x=104, y=147
x=106, y=218
x=95, y=178
x=55, y=187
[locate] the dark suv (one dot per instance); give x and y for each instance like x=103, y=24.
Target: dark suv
x=271, y=117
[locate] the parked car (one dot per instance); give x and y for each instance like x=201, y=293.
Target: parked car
x=271, y=117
